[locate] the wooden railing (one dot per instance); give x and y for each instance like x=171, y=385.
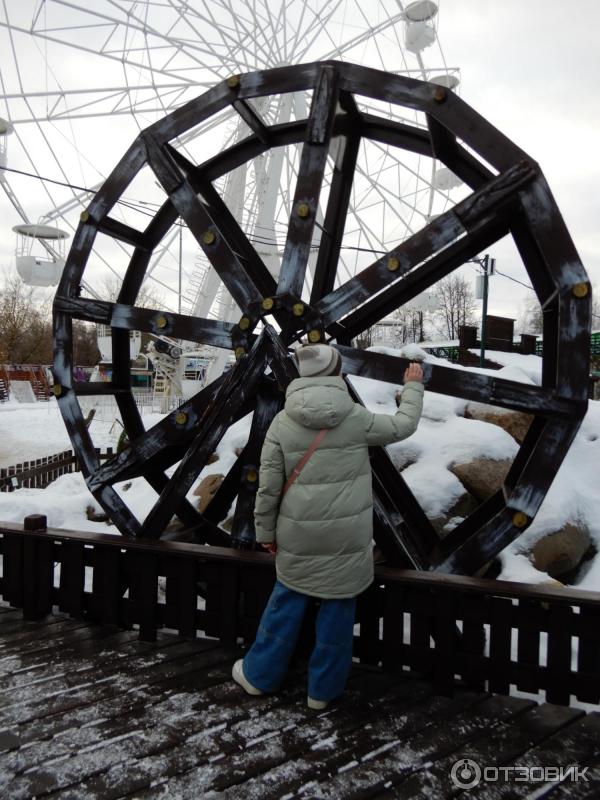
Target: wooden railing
x=40, y=472
x=486, y=634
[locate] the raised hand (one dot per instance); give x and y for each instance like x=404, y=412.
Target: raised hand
x=414, y=372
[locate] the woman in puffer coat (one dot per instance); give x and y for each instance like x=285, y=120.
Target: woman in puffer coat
x=322, y=529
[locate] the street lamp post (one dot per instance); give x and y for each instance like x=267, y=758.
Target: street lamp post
x=487, y=264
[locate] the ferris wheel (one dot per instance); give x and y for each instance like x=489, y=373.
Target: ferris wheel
x=81, y=80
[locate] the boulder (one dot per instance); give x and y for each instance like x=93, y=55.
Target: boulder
x=482, y=477
x=516, y=423
x=464, y=506
x=561, y=551
x=206, y=489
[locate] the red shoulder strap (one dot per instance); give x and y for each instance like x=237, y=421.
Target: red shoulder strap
x=300, y=465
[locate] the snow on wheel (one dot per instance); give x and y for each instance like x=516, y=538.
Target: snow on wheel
x=304, y=298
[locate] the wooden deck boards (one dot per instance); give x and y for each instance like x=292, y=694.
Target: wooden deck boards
x=90, y=712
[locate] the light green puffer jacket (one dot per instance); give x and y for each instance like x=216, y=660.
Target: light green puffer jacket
x=324, y=525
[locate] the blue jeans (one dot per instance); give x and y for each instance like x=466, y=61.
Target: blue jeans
x=266, y=662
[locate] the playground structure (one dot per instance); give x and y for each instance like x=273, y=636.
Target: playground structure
x=509, y=195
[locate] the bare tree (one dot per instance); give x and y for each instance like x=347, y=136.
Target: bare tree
x=410, y=324
x=457, y=305
x=25, y=324
x=532, y=318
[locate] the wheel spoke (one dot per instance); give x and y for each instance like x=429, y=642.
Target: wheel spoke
x=161, y=323
x=161, y=445
x=268, y=403
x=227, y=226
x=337, y=210
x=308, y=187
x=204, y=229
x=239, y=384
x=420, y=279
x=461, y=383
x=406, y=530
x=425, y=243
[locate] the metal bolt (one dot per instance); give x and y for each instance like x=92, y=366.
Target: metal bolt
x=439, y=94
x=580, y=290
x=393, y=263
x=520, y=519
x=208, y=237
x=244, y=323
x=239, y=351
x=233, y=81
x=267, y=303
x=181, y=418
x=162, y=321
x=298, y=309
x=303, y=210
x=252, y=476
x=314, y=335
x=84, y=216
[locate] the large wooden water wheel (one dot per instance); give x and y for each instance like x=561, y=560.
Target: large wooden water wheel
x=510, y=196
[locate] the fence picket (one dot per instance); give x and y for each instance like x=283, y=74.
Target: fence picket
x=40, y=472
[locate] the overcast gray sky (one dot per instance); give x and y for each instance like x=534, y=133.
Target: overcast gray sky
x=530, y=67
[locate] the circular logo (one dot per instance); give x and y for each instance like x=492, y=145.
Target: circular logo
x=465, y=773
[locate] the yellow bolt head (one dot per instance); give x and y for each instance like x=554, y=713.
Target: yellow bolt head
x=580, y=290
x=84, y=216
x=233, y=81
x=57, y=390
x=239, y=352
x=161, y=322
x=393, y=263
x=181, y=418
x=244, y=323
x=314, y=335
x=267, y=303
x=520, y=519
x=252, y=476
x=208, y=237
x=303, y=210
x=439, y=94
x=298, y=309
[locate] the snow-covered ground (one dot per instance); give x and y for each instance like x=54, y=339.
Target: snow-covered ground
x=444, y=437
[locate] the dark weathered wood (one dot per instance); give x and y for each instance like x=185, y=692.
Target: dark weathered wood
x=38, y=577
x=560, y=623
x=72, y=579
x=268, y=404
x=528, y=643
x=588, y=658
x=143, y=583
x=106, y=586
x=472, y=386
x=227, y=401
x=510, y=195
x=223, y=221
x=181, y=596
x=308, y=185
x=425, y=243
x=500, y=644
x=132, y=318
x=335, y=216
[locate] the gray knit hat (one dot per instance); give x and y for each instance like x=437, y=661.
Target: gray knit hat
x=317, y=360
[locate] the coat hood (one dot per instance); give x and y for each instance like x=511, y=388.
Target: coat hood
x=318, y=402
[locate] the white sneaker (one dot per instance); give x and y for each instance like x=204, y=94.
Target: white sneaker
x=237, y=673
x=318, y=705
